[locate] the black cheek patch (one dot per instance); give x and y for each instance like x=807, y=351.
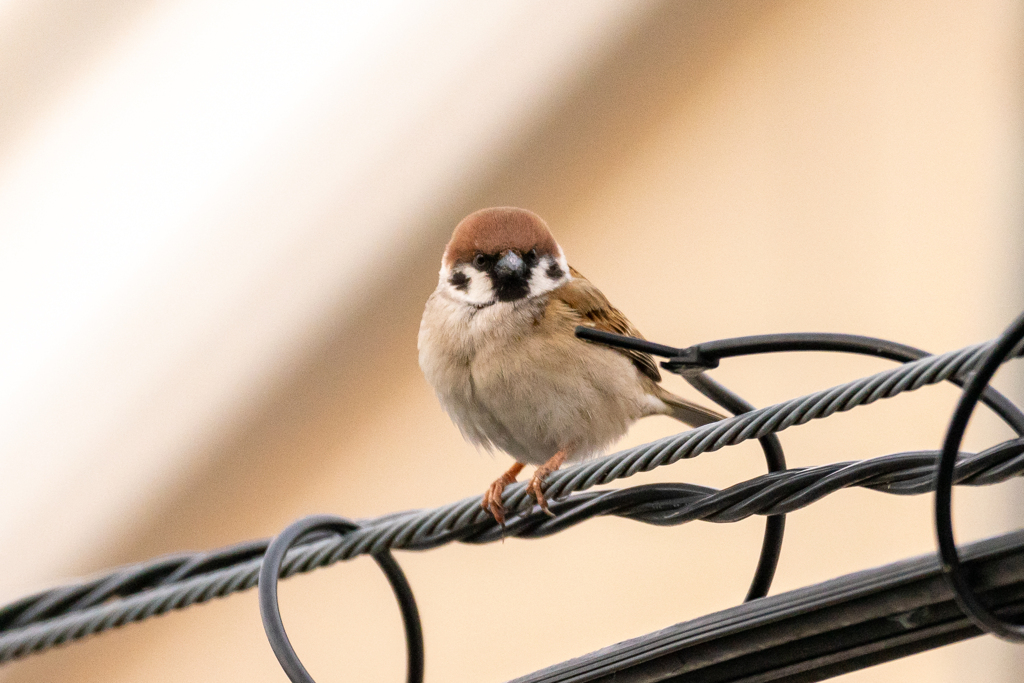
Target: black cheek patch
x=459, y=281
x=555, y=271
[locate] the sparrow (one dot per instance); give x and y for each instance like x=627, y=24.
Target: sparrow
x=497, y=344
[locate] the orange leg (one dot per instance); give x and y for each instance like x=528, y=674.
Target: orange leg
x=536, y=486
x=492, y=499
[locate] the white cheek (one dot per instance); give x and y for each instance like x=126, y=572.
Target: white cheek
x=477, y=291
x=480, y=291
x=541, y=282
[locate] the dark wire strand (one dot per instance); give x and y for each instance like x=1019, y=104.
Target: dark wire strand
x=952, y=569
x=775, y=525
x=856, y=344
x=668, y=504
x=816, y=632
x=270, y=609
x=707, y=355
x=690, y=363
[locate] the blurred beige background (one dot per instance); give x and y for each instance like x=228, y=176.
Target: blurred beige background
x=219, y=222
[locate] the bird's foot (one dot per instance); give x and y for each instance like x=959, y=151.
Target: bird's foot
x=536, y=486
x=492, y=498
x=535, y=489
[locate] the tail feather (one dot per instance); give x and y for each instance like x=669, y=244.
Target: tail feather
x=686, y=411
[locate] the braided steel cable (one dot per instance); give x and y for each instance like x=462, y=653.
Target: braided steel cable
x=466, y=521
x=691, y=362
x=757, y=423
x=776, y=493
x=664, y=504
x=135, y=593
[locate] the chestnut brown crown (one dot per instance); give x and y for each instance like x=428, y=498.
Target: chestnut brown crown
x=497, y=230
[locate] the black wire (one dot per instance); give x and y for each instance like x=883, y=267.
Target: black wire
x=706, y=355
x=71, y=598
x=102, y=602
x=812, y=633
x=952, y=570
x=216, y=559
x=775, y=493
x=691, y=362
x=775, y=526
x=270, y=610
x=850, y=343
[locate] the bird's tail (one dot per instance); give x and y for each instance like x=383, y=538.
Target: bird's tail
x=686, y=411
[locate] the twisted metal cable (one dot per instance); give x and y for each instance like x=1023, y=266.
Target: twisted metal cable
x=466, y=521
x=665, y=504
x=672, y=504
x=691, y=363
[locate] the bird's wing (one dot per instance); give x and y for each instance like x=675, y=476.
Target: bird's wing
x=596, y=311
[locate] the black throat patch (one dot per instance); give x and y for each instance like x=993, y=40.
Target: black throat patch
x=510, y=288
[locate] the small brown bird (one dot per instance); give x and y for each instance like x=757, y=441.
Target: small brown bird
x=497, y=344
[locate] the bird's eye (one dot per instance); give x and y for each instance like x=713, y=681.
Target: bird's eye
x=480, y=261
x=530, y=257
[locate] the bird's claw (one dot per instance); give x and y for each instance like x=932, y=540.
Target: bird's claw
x=492, y=502
x=536, y=489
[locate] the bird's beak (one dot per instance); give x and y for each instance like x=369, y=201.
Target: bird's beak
x=511, y=264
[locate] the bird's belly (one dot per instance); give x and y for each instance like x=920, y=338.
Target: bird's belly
x=580, y=400
x=530, y=395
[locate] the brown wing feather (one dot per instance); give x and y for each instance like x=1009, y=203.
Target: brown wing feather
x=597, y=312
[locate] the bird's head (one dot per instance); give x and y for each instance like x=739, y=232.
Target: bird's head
x=502, y=254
